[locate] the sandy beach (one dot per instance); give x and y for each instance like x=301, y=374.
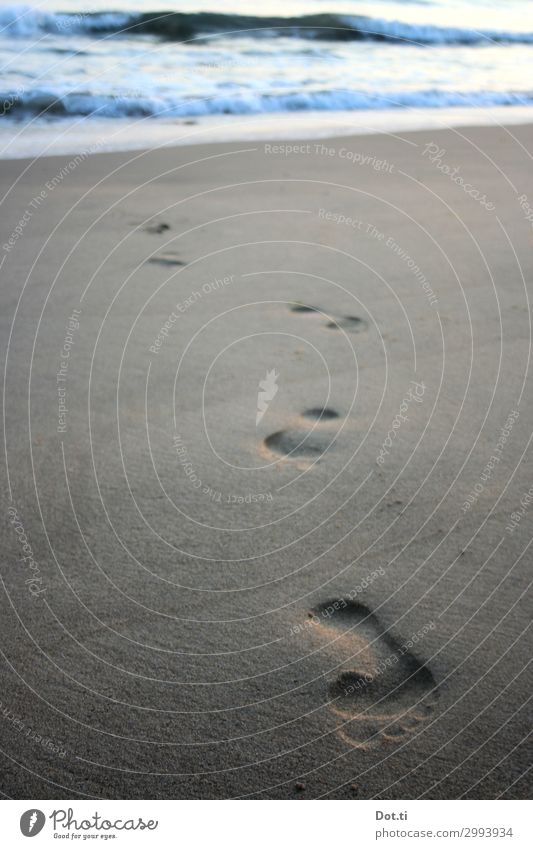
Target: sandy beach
x=268, y=489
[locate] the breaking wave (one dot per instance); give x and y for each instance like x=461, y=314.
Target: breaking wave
x=47, y=102
x=26, y=21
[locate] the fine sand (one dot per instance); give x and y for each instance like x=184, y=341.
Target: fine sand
x=269, y=489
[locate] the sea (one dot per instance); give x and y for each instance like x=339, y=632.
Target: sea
x=132, y=73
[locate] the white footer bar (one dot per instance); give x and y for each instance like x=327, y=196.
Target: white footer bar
x=268, y=824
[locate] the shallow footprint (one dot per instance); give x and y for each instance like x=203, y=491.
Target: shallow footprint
x=351, y=323
x=348, y=322
x=298, y=307
x=298, y=442
x=320, y=414
x=384, y=693
x=167, y=259
x=157, y=227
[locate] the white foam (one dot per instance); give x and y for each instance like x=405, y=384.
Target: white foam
x=71, y=137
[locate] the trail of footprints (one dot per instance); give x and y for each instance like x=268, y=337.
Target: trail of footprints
x=303, y=442
x=383, y=693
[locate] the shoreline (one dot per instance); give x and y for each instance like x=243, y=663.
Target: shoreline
x=80, y=135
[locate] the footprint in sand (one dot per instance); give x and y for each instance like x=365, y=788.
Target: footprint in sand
x=321, y=414
x=301, y=442
x=303, y=308
x=156, y=227
x=351, y=323
x=383, y=693
x=348, y=322
x=167, y=259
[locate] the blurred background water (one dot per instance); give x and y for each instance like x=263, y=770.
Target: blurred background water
x=188, y=60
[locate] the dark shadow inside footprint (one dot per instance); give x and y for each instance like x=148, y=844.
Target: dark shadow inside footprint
x=297, y=443
x=320, y=413
x=406, y=687
x=348, y=322
x=166, y=259
x=383, y=688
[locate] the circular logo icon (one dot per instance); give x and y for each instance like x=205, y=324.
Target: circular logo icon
x=32, y=822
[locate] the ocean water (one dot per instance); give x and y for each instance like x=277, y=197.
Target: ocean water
x=187, y=61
